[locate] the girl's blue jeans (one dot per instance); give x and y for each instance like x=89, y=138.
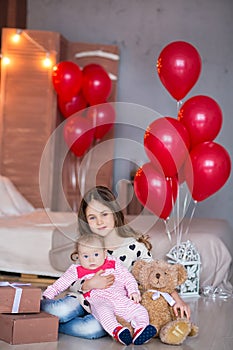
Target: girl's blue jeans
x=73, y=319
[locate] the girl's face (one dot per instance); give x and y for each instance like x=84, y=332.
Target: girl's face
x=91, y=257
x=100, y=218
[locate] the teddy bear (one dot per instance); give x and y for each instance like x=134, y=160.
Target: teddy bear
x=157, y=280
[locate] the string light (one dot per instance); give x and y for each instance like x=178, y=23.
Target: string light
x=46, y=62
x=5, y=59
x=16, y=36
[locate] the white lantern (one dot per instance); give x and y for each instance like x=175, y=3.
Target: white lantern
x=187, y=255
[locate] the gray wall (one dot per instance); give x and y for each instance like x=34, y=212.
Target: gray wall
x=141, y=29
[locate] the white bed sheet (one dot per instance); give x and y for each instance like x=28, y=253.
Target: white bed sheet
x=25, y=241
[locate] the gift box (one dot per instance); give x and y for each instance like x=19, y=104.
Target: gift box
x=28, y=328
x=19, y=298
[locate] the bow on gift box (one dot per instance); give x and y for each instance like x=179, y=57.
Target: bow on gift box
x=18, y=293
x=156, y=294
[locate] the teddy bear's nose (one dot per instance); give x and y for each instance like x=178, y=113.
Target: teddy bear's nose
x=157, y=275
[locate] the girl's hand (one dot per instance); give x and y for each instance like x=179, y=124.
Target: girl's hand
x=135, y=297
x=98, y=281
x=181, y=309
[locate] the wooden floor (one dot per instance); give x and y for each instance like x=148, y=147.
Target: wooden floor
x=213, y=316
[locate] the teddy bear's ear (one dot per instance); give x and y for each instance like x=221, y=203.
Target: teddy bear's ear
x=137, y=267
x=182, y=274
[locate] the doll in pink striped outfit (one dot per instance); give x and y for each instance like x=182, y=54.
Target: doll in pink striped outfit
x=122, y=298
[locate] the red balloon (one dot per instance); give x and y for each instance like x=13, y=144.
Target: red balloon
x=202, y=117
x=102, y=117
x=179, y=67
x=166, y=142
x=208, y=170
x=78, y=134
x=91, y=66
x=157, y=193
x=96, y=85
x=75, y=104
x=67, y=79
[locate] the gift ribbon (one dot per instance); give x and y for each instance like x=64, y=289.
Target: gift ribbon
x=156, y=294
x=18, y=293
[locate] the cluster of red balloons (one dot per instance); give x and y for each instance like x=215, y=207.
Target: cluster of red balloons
x=182, y=149
x=209, y=165
x=82, y=99
x=167, y=144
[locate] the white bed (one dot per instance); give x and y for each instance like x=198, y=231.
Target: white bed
x=25, y=241
x=26, y=233
x=37, y=241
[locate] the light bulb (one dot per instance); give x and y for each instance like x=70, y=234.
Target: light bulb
x=47, y=62
x=5, y=60
x=16, y=36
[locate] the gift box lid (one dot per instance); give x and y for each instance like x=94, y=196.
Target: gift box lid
x=19, y=298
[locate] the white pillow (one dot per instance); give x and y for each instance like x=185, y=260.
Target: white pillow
x=11, y=200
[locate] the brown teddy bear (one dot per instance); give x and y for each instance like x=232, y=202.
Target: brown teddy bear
x=157, y=280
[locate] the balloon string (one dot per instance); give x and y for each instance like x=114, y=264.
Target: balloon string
x=183, y=212
x=81, y=179
x=82, y=176
x=175, y=212
x=85, y=168
x=185, y=204
x=178, y=105
x=89, y=157
x=83, y=171
x=74, y=180
x=191, y=216
x=178, y=227
x=167, y=229
x=73, y=174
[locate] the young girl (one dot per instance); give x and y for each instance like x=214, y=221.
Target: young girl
x=100, y=213
x=120, y=299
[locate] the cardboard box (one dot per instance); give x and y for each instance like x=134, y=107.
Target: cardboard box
x=28, y=299
x=28, y=328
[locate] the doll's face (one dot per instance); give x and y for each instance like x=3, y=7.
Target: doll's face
x=100, y=218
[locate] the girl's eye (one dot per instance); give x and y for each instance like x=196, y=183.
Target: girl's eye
x=96, y=254
x=105, y=214
x=91, y=218
x=85, y=256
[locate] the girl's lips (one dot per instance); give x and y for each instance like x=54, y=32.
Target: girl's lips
x=93, y=266
x=102, y=228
